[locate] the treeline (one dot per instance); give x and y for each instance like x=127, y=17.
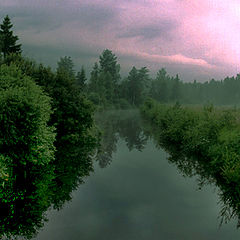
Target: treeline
x=134, y=89
x=203, y=141
x=106, y=87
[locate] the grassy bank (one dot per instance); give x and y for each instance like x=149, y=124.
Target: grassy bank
x=203, y=141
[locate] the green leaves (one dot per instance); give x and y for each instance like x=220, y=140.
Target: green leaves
x=201, y=141
x=24, y=114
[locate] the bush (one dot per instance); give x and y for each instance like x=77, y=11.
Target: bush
x=25, y=136
x=205, y=142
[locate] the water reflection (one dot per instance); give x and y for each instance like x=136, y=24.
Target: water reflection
x=193, y=165
x=124, y=125
x=26, y=198
x=127, y=125
x=29, y=191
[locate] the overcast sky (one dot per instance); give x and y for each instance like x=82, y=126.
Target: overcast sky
x=199, y=39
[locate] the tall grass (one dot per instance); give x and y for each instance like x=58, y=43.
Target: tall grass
x=204, y=141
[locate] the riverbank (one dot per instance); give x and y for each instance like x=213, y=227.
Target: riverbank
x=205, y=141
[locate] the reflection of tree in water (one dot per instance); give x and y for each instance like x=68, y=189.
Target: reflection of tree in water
x=117, y=125
x=31, y=191
x=72, y=164
x=199, y=166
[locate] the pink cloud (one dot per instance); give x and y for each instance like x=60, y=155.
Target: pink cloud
x=176, y=59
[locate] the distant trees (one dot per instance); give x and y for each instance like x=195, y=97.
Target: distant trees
x=159, y=90
x=106, y=88
x=65, y=66
x=7, y=39
x=136, y=83
x=175, y=91
x=104, y=81
x=81, y=79
x=108, y=63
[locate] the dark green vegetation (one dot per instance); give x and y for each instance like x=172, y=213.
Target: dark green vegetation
x=30, y=192
x=47, y=137
x=7, y=39
x=25, y=137
x=203, y=142
x=107, y=89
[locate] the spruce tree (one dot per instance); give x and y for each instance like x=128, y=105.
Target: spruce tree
x=8, y=40
x=66, y=66
x=93, y=82
x=108, y=63
x=81, y=78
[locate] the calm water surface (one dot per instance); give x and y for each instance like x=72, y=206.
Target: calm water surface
x=134, y=193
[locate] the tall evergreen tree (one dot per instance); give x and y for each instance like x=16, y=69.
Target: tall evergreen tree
x=81, y=78
x=8, y=40
x=159, y=90
x=66, y=66
x=133, y=86
x=138, y=83
x=108, y=63
x=93, y=83
x=176, y=89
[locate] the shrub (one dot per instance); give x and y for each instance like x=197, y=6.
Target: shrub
x=25, y=136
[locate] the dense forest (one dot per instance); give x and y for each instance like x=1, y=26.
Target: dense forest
x=107, y=89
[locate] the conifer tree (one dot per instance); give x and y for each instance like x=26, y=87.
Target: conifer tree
x=66, y=66
x=81, y=78
x=93, y=83
x=8, y=40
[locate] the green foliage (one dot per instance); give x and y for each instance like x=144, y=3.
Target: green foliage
x=93, y=84
x=7, y=39
x=26, y=142
x=159, y=86
x=81, y=79
x=136, y=85
x=123, y=104
x=73, y=112
x=108, y=64
x=33, y=178
x=205, y=141
x=37, y=160
x=103, y=87
x=24, y=114
x=66, y=67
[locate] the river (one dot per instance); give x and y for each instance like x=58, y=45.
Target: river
x=135, y=193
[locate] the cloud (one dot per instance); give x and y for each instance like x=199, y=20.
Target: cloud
x=175, y=59
x=179, y=34
x=147, y=32
x=46, y=15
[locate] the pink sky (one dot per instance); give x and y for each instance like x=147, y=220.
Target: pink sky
x=198, y=39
